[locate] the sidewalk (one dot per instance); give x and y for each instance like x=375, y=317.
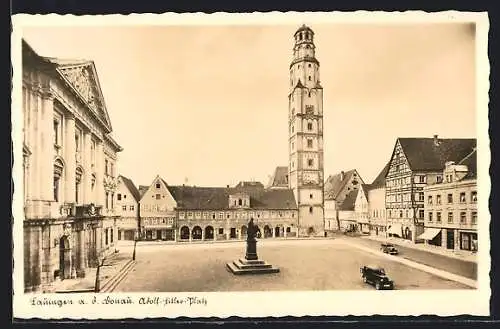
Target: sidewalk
x=457, y=254
x=113, y=266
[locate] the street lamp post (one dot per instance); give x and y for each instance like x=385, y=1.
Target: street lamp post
x=97, y=285
x=135, y=244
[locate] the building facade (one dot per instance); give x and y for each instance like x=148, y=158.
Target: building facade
x=451, y=207
x=305, y=124
x=376, y=205
x=127, y=209
x=339, y=213
x=190, y=213
x=158, y=212
x=69, y=160
x=415, y=163
x=361, y=209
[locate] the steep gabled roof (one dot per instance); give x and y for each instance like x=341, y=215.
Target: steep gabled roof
x=334, y=185
x=217, y=198
x=280, y=177
x=379, y=181
x=349, y=201
x=131, y=187
x=424, y=154
x=143, y=189
x=471, y=162
x=365, y=188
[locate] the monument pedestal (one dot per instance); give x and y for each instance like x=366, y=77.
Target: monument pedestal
x=251, y=264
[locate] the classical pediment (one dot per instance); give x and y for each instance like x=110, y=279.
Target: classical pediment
x=83, y=78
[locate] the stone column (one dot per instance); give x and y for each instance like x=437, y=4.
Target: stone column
x=36, y=257
x=284, y=232
x=81, y=253
x=69, y=158
x=47, y=150
x=99, y=184
x=87, y=168
x=34, y=104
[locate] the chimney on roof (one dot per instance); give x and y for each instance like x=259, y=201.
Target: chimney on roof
x=341, y=175
x=436, y=140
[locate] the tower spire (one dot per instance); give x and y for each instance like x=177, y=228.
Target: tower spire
x=306, y=133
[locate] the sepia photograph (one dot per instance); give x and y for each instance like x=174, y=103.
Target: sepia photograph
x=201, y=163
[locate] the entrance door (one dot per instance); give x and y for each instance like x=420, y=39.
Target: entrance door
x=158, y=234
x=277, y=231
x=232, y=234
x=450, y=239
x=149, y=235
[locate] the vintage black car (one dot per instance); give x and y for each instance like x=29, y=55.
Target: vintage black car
x=376, y=276
x=389, y=248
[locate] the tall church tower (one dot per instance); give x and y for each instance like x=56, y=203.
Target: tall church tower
x=305, y=120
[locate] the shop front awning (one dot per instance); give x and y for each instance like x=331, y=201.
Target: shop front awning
x=429, y=233
x=395, y=229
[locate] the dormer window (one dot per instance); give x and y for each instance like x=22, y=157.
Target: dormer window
x=157, y=185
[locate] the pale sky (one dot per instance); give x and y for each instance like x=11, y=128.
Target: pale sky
x=209, y=103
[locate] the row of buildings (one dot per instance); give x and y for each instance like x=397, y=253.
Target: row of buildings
x=189, y=213
x=427, y=192
x=76, y=206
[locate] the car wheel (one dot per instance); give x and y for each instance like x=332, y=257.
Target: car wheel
x=377, y=285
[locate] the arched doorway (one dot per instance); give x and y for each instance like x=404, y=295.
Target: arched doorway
x=277, y=231
x=64, y=258
x=196, y=233
x=243, y=232
x=267, y=232
x=310, y=230
x=259, y=233
x=209, y=233
x=184, y=233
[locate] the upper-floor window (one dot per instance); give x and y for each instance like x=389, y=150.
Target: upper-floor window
x=310, y=210
x=450, y=217
x=473, y=196
x=474, y=217
x=439, y=179
x=106, y=165
x=420, y=196
x=462, y=197
x=429, y=199
x=450, y=198
x=430, y=216
x=157, y=185
x=309, y=143
x=119, y=196
x=438, y=217
x=421, y=213
x=438, y=199
x=240, y=202
x=310, y=162
x=124, y=208
x=309, y=126
x=158, y=197
x=132, y=208
x=463, y=217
